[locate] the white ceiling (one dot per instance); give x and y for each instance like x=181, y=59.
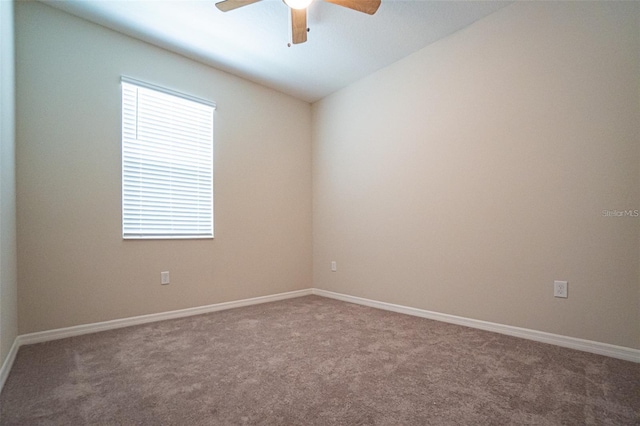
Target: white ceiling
x=343, y=45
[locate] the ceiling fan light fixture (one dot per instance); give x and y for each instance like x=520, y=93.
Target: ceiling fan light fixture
x=298, y=4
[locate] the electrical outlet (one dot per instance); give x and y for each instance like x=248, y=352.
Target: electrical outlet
x=560, y=289
x=164, y=277
x=334, y=266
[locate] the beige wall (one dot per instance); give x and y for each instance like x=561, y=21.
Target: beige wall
x=469, y=176
x=8, y=269
x=463, y=179
x=73, y=266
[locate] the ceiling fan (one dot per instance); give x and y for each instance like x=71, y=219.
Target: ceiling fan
x=299, y=12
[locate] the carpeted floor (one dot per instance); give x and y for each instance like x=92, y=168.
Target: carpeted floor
x=314, y=361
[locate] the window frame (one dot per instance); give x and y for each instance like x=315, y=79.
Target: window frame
x=125, y=142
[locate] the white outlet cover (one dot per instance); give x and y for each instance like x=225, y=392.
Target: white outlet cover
x=164, y=277
x=560, y=289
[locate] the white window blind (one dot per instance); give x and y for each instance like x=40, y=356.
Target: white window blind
x=167, y=163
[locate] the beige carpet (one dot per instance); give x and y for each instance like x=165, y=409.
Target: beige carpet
x=314, y=361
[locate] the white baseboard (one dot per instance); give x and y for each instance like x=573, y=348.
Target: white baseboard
x=613, y=351
x=61, y=333
x=8, y=362
x=620, y=352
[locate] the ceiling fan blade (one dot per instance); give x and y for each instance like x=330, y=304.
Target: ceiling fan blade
x=367, y=6
x=227, y=5
x=299, y=25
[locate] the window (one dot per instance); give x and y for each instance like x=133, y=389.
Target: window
x=167, y=163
